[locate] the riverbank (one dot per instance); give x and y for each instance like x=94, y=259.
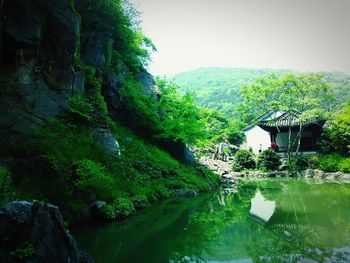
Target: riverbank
x=229, y=177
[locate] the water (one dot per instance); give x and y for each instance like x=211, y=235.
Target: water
x=260, y=221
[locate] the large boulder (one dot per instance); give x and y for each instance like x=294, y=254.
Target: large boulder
x=38, y=229
x=106, y=139
x=178, y=150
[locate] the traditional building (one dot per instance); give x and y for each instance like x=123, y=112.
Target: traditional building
x=273, y=128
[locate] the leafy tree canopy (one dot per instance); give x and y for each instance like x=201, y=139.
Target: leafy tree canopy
x=306, y=93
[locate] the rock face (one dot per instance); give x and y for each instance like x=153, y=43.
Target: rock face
x=41, y=227
x=42, y=45
x=38, y=41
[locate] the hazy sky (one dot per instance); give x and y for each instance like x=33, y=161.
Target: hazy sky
x=305, y=35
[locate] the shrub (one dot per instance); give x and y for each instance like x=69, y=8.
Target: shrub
x=336, y=138
x=330, y=162
x=5, y=183
x=93, y=178
x=243, y=160
x=344, y=165
x=268, y=160
x=123, y=207
x=80, y=109
x=303, y=163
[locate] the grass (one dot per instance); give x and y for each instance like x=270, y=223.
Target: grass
x=66, y=167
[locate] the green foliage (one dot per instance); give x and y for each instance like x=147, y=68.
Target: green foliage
x=132, y=47
x=344, y=165
x=92, y=177
x=218, y=88
x=334, y=162
x=336, y=137
x=23, y=252
x=268, y=160
x=123, y=207
x=243, y=159
x=307, y=93
x=234, y=132
x=304, y=162
x=219, y=128
x=80, y=109
x=69, y=169
x=145, y=106
x=180, y=114
x=173, y=116
x=5, y=183
x=68, y=159
x=300, y=163
x=330, y=162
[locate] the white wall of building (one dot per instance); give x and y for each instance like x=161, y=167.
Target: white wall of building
x=256, y=136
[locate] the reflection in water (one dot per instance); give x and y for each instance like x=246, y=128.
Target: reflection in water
x=261, y=208
x=297, y=220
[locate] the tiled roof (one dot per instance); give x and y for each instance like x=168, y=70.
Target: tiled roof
x=286, y=118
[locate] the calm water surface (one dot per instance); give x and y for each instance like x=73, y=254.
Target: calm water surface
x=260, y=221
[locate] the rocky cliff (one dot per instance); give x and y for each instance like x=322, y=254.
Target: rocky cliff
x=34, y=232
x=51, y=51
x=40, y=43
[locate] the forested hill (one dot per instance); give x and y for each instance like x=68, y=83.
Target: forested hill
x=217, y=88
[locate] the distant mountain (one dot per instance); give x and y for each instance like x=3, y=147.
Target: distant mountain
x=217, y=88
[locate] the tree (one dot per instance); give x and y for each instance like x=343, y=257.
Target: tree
x=336, y=138
x=180, y=117
x=307, y=94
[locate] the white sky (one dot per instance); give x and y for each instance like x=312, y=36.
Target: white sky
x=305, y=35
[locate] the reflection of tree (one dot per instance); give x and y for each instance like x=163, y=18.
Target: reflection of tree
x=296, y=230
x=309, y=220
x=222, y=211
x=293, y=245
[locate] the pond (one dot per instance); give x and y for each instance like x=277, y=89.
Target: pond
x=269, y=220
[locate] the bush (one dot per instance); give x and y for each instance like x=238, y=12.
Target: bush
x=330, y=162
x=303, y=163
x=92, y=178
x=344, y=165
x=5, y=183
x=80, y=109
x=268, y=160
x=123, y=207
x=336, y=138
x=243, y=160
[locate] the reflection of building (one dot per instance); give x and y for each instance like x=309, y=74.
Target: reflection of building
x=284, y=213
x=274, y=127
x=261, y=208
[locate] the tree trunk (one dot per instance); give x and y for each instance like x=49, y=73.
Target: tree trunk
x=299, y=139
x=289, y=152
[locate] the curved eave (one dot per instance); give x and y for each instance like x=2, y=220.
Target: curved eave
x=274, y=127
